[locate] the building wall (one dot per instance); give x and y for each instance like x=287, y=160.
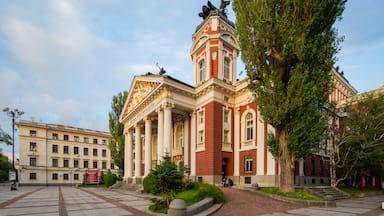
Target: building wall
x=58, y=167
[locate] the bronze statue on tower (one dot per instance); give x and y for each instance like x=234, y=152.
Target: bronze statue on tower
x=206, y=9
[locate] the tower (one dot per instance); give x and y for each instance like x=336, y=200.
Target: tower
x=215, y=48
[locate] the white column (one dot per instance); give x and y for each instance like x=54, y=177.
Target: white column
x=193, y=144
x=186, y=142
x=160, y=134
x=128, y=155
x=301, y=167
x=260, y=145
x=137, y=151
x=168, y=130
x=236, y=134
x=147, y=146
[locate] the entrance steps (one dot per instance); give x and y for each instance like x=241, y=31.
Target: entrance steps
x=328, y=192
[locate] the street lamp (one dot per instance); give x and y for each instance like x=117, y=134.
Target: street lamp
x=14, y=114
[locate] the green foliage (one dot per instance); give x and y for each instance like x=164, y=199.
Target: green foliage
x=166, y=178
x=190, y=196
x=101, y=177
x=110, y=179
x=5, y=138
x=361, y=142
x=5, y=165
x=298, y=194
x=116, y=144
x=159, y=206
x=208, y=190
x=288, y=48
x=148, y=185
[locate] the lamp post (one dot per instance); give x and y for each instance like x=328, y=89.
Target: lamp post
x=14, y=114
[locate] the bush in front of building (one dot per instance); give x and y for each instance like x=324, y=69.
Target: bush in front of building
x=208, y=190
x=110, y=179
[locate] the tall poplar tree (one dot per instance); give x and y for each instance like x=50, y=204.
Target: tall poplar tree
x=288, y=48
x=116, y=144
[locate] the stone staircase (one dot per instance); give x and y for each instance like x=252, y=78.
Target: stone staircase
x=328, y=192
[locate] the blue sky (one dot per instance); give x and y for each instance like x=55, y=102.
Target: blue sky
x=62, y=61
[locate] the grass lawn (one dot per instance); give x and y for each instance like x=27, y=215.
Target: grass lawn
x=352, y=190
x=298, y=194
x=190, y=196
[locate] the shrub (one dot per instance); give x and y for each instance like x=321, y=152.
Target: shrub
x=208, y=190
x=110, y=179
x=189, y=184
x=159, y=206
x=149, y=186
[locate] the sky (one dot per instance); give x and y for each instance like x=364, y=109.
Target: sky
x=62, y=61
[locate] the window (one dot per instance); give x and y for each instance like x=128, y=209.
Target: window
x=104, y=165
x=201, y=136
x=32, y=133
x=85, y=164
x=104, y=153
x=226, y=136
x=226, y=116
x=76, y=163
x=32, y=176
x=32, y=161
x=76, y=138
x=86, y=139
x=55, y=176
x=65, y=176
x=94, y=141
x=55, y=162
x=32, y=146
x=75, y=176
x=226, y=68
x=249, y=127
x=66, y=163
x=247, y=180
x=104, y=142
x=55, y=136
x=248, y=163
x=95, y=164
x=66, y=149
x=201, y=117
x=66, y=137
x=55, y=148
x=94, y=152
x=179, y=138
x=201, y=70
x=75, y=150
x=85, y=151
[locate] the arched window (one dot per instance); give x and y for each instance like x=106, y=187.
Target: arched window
x=179, y=137
x=249, y=127
x=201, y=70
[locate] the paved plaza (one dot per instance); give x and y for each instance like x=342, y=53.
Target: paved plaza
x=69, y=201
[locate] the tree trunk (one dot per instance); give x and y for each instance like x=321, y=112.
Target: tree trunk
x=287, y=164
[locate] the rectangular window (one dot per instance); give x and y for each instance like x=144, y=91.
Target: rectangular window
x=94, y=152
x=76, y=138
x=55, y=148
x=201, y=136
x=226, y=136
x=104, y=153
x=55, y=136
x=94, y=141
x=226, y=116
x=248, y=163
x=32, y=176
x=55, y=176
x=85, y=151
x=75, y=150
x=76, y=163
x=32, y=161
x=32, y=147
x=104, y=142
x=104, y=165
x=201, y=117
x=95, y=164
x=86, y=140
x=226, y=68
x=247, y=180
x=85, y=164
x=66, y=150
x=66, y=176
x=66, y=163
x=66, y=137
x=55, y=162
x=75, y=176
x=32, y=133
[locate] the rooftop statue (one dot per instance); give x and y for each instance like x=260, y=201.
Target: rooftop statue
x=206, y=9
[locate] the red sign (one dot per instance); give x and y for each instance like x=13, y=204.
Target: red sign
x=91, y=177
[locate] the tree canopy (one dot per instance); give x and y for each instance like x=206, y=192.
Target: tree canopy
x=288, y=48
x=116, y=144
x=359, y=143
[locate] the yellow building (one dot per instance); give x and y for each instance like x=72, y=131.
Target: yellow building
x=52, y=154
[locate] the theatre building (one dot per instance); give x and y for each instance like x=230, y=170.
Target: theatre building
x=212, y=126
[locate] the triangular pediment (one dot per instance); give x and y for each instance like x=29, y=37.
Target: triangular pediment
x=139, y=91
